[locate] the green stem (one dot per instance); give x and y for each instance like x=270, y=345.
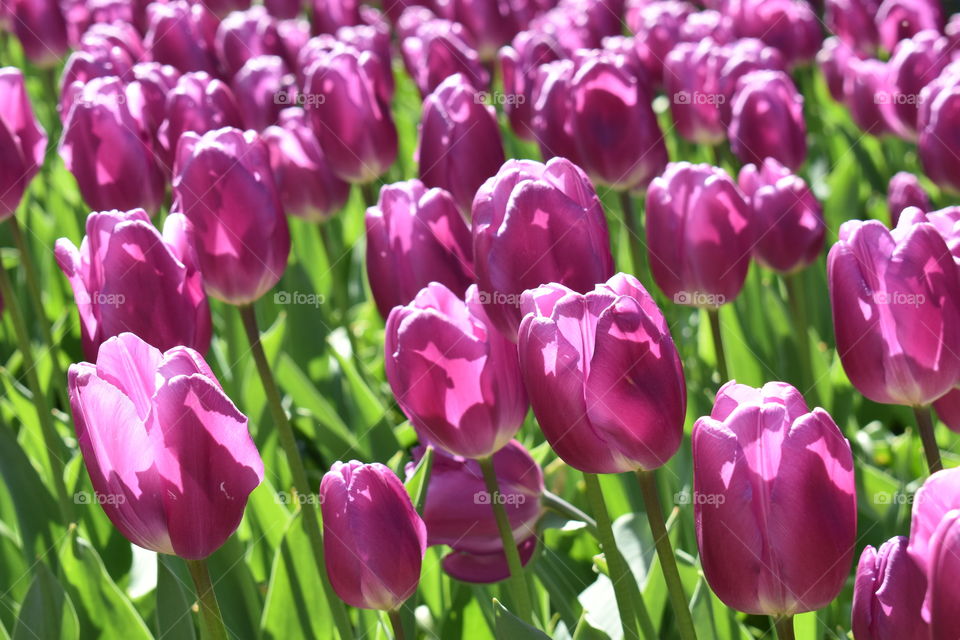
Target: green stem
x=928, y=437
x=518, y=579
x=420, y=499
x=714, y=315
x=338, y=279
x=784, y=627
x=668, y=562
x=50, y=438
x=397, y=625
x=801, y=328
x=300, y=482
x=633, y=231
x=370, y=193
x=209, y=607
x=553, y=501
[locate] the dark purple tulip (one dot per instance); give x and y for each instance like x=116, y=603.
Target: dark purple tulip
x=126, y=276
x=245, y=34
x=416, y=236
x=308, y=187
x=263, y=88
x=788, y=218
x=915, y=62
x=459, y=145
x=41, y=29
x=905, y=191
x=518, y=64
x=900, y=19
x=790, y=26
x=536, y=223
x=181, y=34
x=768, y=120
x=108, y=151
x=939, y=126
x=224, y=185
x=23, y=141
x=700, y=235
x=439, y=49
x=283, y=9
x=888, y=594
x=853, y=22
x=691, y=75
x=199, y=103
x=657, y=27
x=330, y=15
x=868, y=94
x=458, y=511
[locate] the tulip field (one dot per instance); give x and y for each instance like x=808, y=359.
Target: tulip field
x=469, y=319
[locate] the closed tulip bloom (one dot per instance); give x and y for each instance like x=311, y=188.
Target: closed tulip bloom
x=868, y=94
x=283, y=9
x=788, y=218
x=915, y=63
x=518, y=64
x=245, y=34
x=691, y=74
x=944, y=592
x=108, y=38
x=552, y=121
x=700, y=234
x=535, y=223
x=23, y=141
x=737, y=59
x=946, y=221
x=375, y=39
x=904, y=190
x=373, y=539
x=939, y=495
x=416, y=236
x=790, y=26
x=853, y=22
x=939, y=127
x=182, y=35
x=900, y=19
x=330, y=15
x=768, y=120
x=82, y=67
x=224, y=185
x=832, y=60
x=126, y=276
x=580, y=24
x=453, y=374
x=707, y=23
x=657, y=27
x=199, y=103
x=888, y=594
x=41, y=29
x=165, y=448
x=263, y=88
x=491, y=24
x=458, y=512
x=776, y=509
x=896, y=310
x=603, y=375
x=459, y=145
x=151, y=83
x=439, y=49
x=109, y=151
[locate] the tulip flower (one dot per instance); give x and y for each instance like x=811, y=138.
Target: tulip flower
x=904, y=190
x=108, y=151
x=416, y=236
x=896, y=310
x=788, y=219
x=308, y=187
x=330, y=15
x=457, y=511
x=41, y=29
x=768, y=120
x=832, y=60
x=766, y=468
x=224, y=185
x=944, y=564
x=915, y=63
x=491, y=24
x=700, y=234
x=900, y=19
x=198, y=103
x=536, y=223
x=453, y=374
x=691, y=74
x=737, y=59
x=283, y=9
x=182, y=35
x=888, y=594
x=939, y=125
x=23, y=141
x=126, y=276
x=263, y=88
x=603, y=375
x=852, y=21
x=151, y=84
x=246, y=34
x=373, y=540
x=165, y=448
x=708, y=23
x=657, y=27
x=939, y=495
x=439, y=49
x=551, y=122
x=790, y=26
x=375, y=40
x=868, y=94
x=518, y=64
x=459, y=146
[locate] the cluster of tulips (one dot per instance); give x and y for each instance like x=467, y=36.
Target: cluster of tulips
x=496, y=282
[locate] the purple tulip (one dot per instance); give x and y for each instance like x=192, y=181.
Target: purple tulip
x=108, y=151
x=948, y=409
x=459, y=146
x=768, y=120
x=23, y=141
x=439, y=49
x=657, y=27
x=373, y=539
x=416, y=236
x=263, y=88
x=453, y=374
x=739, y=58
x=946, y=221
x=536, y=223
x=691, y=78
x=224, y=185
x=700, y=235
x=150, y=84
x=790, y=26
x=491, y=24
x=868, y=94
x=852, y=21
x=896, y=310
x=283, y=9
x=788, y=218
x=904, y=190
x=939, y=125
x=518, y=64
x=952, y=31
x=245, y=34
x=330, y=15
x=775, y=508
x=41, y=29
x=458, y=511
x=888, y=594
x=308, y=187
x=944, y=563
x=552, y=121
x=82, y=67
x=900, y=19
x=915, y=63
x=939, y=495
x=604, y=377
x=373, y=39
x=116, y=36
x=182, y=35
x=832, y=60
x=168, y=453
x=580, y=24
x=199, y=103
x=707, y=24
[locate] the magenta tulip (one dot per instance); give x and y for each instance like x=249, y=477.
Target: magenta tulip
x=491, y=24
x=691, y=78
x=168, y=453
x=199, y=103
x=657, y=27
x=373, y=539
x=939, y=495
x=439, y=49
x=263, y=88
x=150, y=84
x=904, y=190
x=868, y=94
x=900, y=19
x=852, y=21
x=518, y=64
x=767, y=120
x=603, y=375
x=737, y=59
x=888, y=594
x=182, y=34
x=246, y=34
x=944, y=591
x=552, y=121
x=939, y=125
x=41, y=29
x=915, y=63
x=790, y=26
x=580, y=24
x=23, y=141
x=832, y=60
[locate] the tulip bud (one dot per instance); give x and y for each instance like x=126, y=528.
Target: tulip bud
x=283, y=9
x=439, y=49
x=199, y=103
x=41, y=29
x=852, y=21
x=915, y=63
x=224, y=185
x=243, y=35
x=167, y=451
x=491, y=24
x=944, y=564
x=657, y=27
x=552, y=121
x=768, y=120
x=373, y=539
x=458, y=511
x=738, y=59
x=888, y=594
x=470, y=411
x=787, y=25
x=603, y=375
x=580, y=24
x=832, y=60
x=415, y=237
x=536, y=223
x=901, y=19
x=151, y=84
x=939, y=125
x=23, y=141
x=330, y=15
x=708, y=23
x=182, y=34
x=868, y=94
x=939, y=495
x=691, y=81
x=263, y=88
x=896, y=310
x=700, y=234
x=763, y=457
x=518, y=64
x=904, y=191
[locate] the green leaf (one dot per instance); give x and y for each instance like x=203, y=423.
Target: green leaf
x=35, y=507
x=174, y=600
x=585, y=631
x=46, y=613
x=510, y=626
x=418, y=482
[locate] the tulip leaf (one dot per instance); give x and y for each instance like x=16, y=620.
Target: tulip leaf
x=175, y=599
x=510, y=626
x=46, y=612
x=239, y=595
x=418, y=482
x=34, y=505
x=585, y=631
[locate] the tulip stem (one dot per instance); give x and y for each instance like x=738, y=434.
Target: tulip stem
x=518, y=579
x=714, y=315
x=370, y=194
x=564, y=508
x=801, y=328
x=338, y=275
x=928, y=437
x=300, y=481
x=620, y=574
x=397, y=625
x=633, y=231
x=52, y=441
x=209, y=607
x=784, y=627
x=668, y=561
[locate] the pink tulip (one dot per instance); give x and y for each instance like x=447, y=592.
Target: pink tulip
x=938, y=122
x=852, y=21
x=868, y=94
x=198, y=103
x=246, y=34
x=832, y=60
x=23, y=141
x=915, y=63
x=263, y=88
x=904, y=190
x=41, y=29
x=790, y=26
x=767, y=120
x=900, y=19
x=888, y=594
x=944, y=564
x=518, y=64
x=439, y=49
x=182, y=35
x=657, y=27
x=691, y=78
